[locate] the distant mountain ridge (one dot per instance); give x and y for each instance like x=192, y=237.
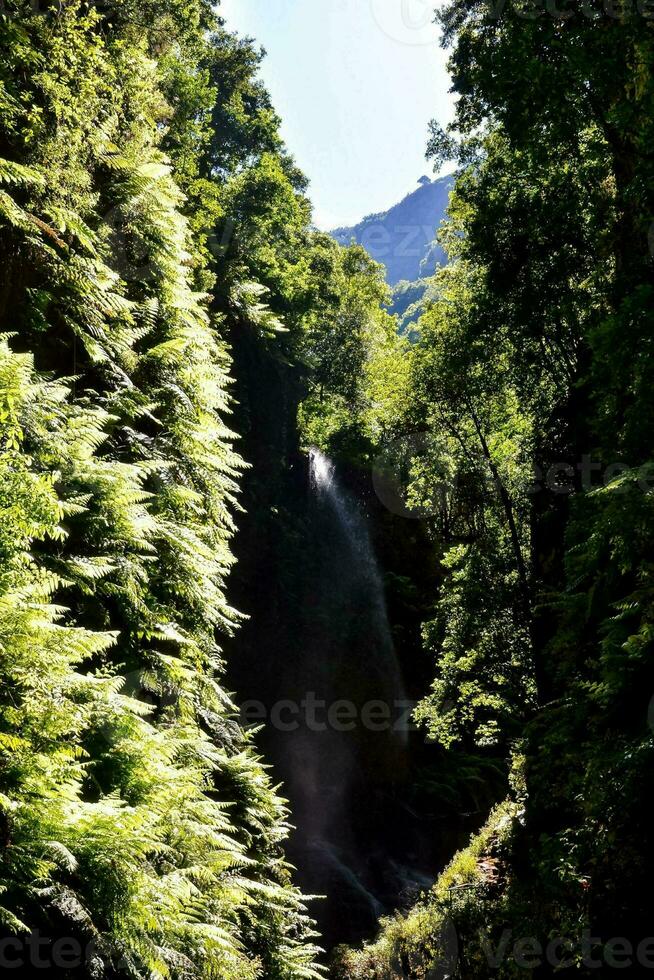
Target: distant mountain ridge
x=403, y=238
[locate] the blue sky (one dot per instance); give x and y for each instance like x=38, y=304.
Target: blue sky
x=356, y=83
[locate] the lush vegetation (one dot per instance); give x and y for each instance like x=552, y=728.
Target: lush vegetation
x=147, y=207
x=532, y=381
x=156, y=253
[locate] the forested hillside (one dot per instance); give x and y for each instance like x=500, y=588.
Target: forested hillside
x=191, y=374
x=136, y=820
x=403, y=238
x=531, y=381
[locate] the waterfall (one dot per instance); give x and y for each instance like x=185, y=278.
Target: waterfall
x=363, y=575
x=322, y=471
x=325, y=652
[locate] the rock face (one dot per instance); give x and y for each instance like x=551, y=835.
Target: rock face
x=315, y=548
x=402, y=238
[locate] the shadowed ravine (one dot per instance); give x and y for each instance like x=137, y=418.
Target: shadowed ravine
x=336, y=719
x=360, y=584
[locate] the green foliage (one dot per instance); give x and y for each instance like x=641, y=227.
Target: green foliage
x=425, y=941
x=149, y=211
x=408, y=302
x=357, y=366
x=474, y=477
x=134, y=812
x=533, y=359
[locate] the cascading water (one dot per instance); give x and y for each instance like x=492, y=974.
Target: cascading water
x=319, y=655
x=342, y=763
x=363, y=577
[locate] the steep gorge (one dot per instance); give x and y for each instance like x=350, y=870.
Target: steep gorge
x=330, y=663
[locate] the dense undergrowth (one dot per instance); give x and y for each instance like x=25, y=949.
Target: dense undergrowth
x=529, y=382
x=149, y=213
x=135, y=817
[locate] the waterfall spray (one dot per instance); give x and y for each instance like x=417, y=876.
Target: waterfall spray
x=364, y=572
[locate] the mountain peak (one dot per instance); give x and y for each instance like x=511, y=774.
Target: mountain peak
x=403, y=238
